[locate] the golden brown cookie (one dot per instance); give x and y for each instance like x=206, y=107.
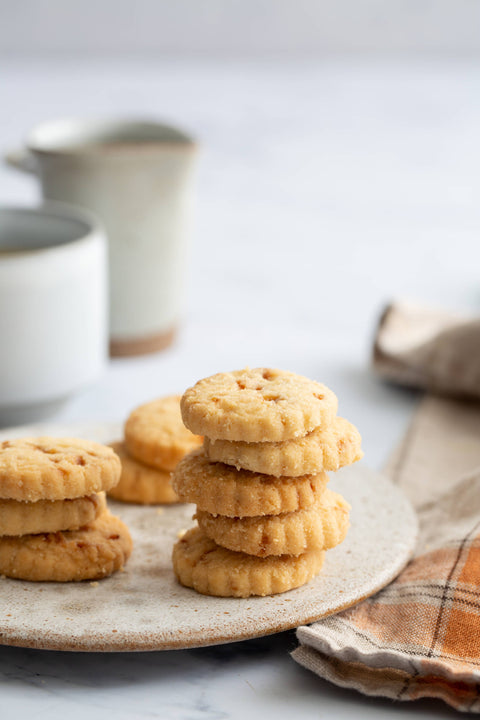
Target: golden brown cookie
x=140, y=483
x=219, y=488
x=326, y=448
x=47, y=468
x=257, y=405
x=321, y=526
x=44, y=516
x=200, y=563
x=91, y=553
x=156, y=436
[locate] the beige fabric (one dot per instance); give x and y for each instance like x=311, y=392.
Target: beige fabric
x=419, y=636
x=441, y=445
x=430, y=349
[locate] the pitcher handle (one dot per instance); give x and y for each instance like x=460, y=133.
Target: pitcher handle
x=20, y=159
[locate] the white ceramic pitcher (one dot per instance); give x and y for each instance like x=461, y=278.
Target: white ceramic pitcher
x=136, y=176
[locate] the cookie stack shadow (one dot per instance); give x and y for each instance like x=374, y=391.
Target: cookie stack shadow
x=155, y=440
x=54, y=521
x=265, y=516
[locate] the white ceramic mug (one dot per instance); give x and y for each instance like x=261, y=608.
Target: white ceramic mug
x=53, y=308
x=136, y=176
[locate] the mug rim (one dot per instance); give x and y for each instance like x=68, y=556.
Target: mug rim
x=179, y=140
x=53, y=209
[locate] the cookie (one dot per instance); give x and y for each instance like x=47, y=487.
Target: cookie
x=140, y=483
x=91, y=553
x=326, y=448
x=44, y=516
x=219, y=488
x=257, y=405
x=47, y=468
x=201, y=564
x=156, y=436
x=322, y=526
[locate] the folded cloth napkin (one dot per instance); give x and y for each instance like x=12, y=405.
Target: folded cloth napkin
x=430, y=349
x=420, y=636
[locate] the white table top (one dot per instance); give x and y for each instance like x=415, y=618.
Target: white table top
x=325, y=189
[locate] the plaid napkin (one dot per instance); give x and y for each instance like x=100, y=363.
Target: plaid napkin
x=420, y=636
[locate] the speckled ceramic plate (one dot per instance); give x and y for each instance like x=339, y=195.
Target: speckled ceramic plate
x=144, y=608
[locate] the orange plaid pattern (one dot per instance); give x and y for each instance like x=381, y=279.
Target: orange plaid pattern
x=419, y=636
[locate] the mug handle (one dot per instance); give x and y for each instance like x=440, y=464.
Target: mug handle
x=20, y=159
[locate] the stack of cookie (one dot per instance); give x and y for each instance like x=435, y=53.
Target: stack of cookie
x=155, y=440
x=265, y=515
x=54, y=523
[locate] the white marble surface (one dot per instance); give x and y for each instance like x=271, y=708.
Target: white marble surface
x=324, y=190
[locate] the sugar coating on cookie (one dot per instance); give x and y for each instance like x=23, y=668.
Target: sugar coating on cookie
x=140, y=483
x=199, y=563
x=222, y=489
x=322, y=526
x=326, y=448
x=44, y=516
x=257, y=405
x=91, y=553
x=156, y=436
x=47, y=468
